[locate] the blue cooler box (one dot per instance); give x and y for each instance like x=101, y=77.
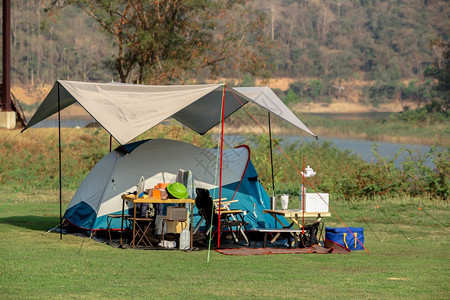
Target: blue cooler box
x=345, y=238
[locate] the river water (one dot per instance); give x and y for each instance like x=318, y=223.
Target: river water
x=362, y=148
x=352, y=116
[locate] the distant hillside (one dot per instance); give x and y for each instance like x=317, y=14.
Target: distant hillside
x=31, y=94
x=336, y=43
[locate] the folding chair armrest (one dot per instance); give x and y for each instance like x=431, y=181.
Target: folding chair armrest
x=230, y=212
x=221, y=199
x=225, y=202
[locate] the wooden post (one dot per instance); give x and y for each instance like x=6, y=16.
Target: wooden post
x=6, y=88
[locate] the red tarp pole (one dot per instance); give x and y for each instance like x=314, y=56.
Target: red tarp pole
x=221, y=164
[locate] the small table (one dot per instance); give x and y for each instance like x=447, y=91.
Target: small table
x=147, y=199
x=296, y=217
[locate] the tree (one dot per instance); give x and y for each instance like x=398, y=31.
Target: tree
x=441, y=73
x=164, y=41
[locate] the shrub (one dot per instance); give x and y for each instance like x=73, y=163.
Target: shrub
x=345, y=175
x=28, y=163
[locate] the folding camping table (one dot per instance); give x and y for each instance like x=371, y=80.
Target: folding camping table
x=145, y=199
x=296, y=216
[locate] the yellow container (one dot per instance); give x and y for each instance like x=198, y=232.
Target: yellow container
x=175, y=226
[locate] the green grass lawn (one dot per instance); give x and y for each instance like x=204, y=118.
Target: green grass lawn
x=409, y=259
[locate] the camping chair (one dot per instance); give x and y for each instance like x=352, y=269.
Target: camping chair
x=174, y=214
x=228, y=219
x=110, y=218
x=309, y=237
x=231, y=214
x=216, y=205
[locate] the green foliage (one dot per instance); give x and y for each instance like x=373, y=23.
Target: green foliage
x=412, y=178
x=24, y=170
x=381, y=92
x=317, y=90
x=345, y=175
x=248, y=80
x=291, y=98
x=341, y=173
x=380, y=178
x=176, y=41
x=338, y=38
x=416, y=93
x=438, y=181
x=298, y=87
x=35, y=165
x=385, y=40
x=431, y=113
x=441, y=69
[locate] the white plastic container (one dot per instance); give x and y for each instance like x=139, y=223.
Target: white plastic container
x=316, y=202
x=185, y=239
x=284, y=201
x=158, y=226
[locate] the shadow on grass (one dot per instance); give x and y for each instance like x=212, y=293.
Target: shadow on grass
x=38, y=223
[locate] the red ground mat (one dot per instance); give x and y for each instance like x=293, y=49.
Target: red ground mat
x=261, y=251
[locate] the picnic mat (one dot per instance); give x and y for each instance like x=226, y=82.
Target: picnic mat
x=260, y=251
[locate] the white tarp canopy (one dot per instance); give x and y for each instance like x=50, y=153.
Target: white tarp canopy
x=128, y=110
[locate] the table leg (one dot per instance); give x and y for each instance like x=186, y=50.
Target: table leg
x=275, y=238
x=281, y=223
x=192, y=225
x=134, y=221
x=278, y=220
x=121, y=223
x=297, y=222
x=294, y=221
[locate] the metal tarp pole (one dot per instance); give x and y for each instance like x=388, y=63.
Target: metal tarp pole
x=271, y=155
x=221, y=166
x=273, y=202
x=60, y=164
